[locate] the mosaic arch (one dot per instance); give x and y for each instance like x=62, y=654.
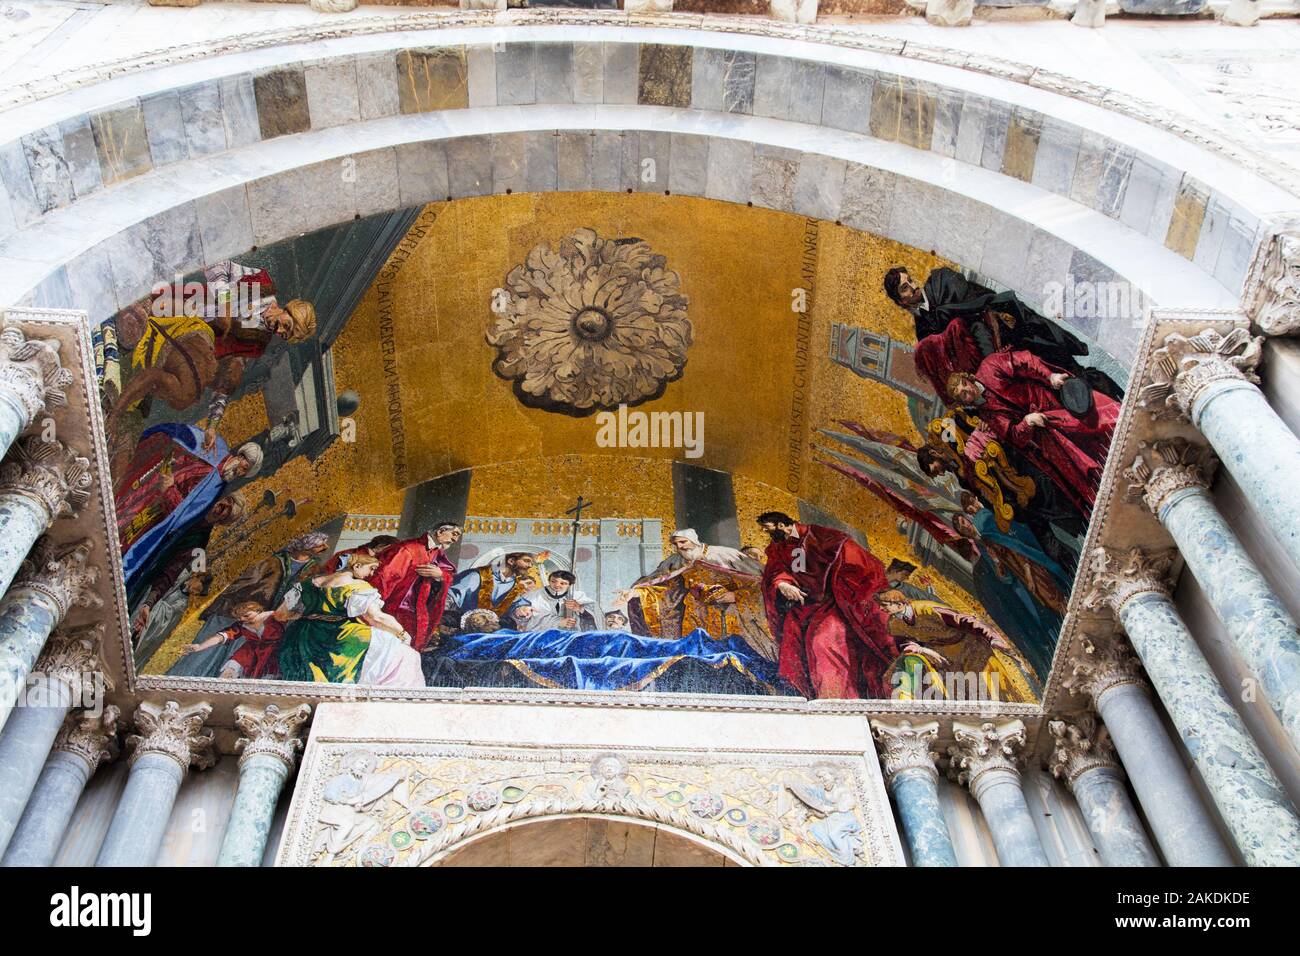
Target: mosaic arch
x=601, y=441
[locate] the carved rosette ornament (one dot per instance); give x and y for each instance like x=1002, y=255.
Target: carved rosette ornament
x=907, y=746
x=986, y=748
x=1120, y=576
x=1100, y=667
x=60, y=572
x=72, y=657
x=1164, y=467
x=590, y=324
x=31, y=377
x=49, y=473
x=173, y=731
x=1081, y=745
x=271, y=731
x=1185, y=366
x=92, y=737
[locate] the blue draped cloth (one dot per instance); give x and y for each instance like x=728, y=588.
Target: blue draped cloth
x=602, y=660
x=143, y=554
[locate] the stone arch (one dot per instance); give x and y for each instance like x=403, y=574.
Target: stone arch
x=588, y=839
x=1173, y=219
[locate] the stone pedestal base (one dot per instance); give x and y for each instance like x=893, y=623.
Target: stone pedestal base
x=949, y=13
x=1242, y=13
x=794, y=11
x=1090, y=13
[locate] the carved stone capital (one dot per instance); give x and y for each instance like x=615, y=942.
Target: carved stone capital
x=1186, y=365
x=906, y=746
x=1167, y=466
x=173, y=731
x=48, y=472
x=61, y=573
x=92, y=738
x=72, y=656
x=1099, y=667
x=271, y=731
x=30, y=373
x=1275, y=305
x=1120, y=576
x=984, y=749
x=1081, y=745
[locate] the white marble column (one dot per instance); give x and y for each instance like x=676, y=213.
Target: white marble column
x=907, y=755
x=53, y=580
x=1172, y=478
x=1210, y=379
x=84, y=742
x=270, y=745
x=31, y=380
x=71, y=675
x=40, y=480
x=1108, y=675
x=1084, y=759
x=172, y=738
x=986, y=759
x=1134, y=586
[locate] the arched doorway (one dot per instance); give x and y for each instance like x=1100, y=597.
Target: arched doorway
x=586, y=841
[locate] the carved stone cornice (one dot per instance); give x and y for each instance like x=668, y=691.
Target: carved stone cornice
x=31, y=376
x=173, y=731
x=72, y=656
x=1098, y=668
x=1185, y=366
x=1166, y=466
x=1275, y=304
x=1120, y=576
x=905, y=745
x=48, y=472
x=91, y=737
x=271, y=731
x=985, y=749
x=61, y=573
x=1081, y=745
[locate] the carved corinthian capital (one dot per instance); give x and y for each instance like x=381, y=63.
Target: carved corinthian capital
x=1099, y=667
x=1186, y=365
x=1120, y=576
x=981, y=749
x=31, y=377
x=1081, y=745
x=1164, y=467
x=173, y=731
x=271, y=731
x=1275, y=304
x=906, y=746
x=92, y=738
x=49, y=473
x=61, y=573
x=72, y=657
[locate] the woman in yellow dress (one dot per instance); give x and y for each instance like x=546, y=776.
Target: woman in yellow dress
x=338, y=632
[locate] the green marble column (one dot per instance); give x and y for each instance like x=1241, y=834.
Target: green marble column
x=907, y=754
x=270, y=742
x=1251, y=800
